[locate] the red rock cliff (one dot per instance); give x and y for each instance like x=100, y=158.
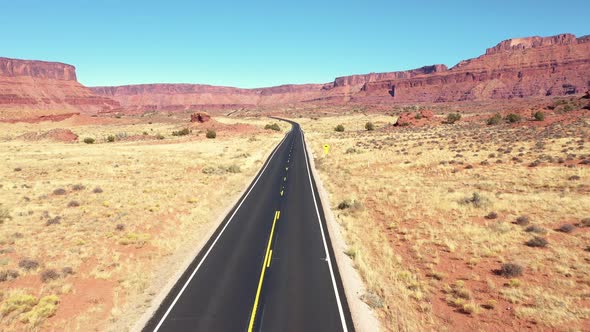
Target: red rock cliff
x=515, y=68
x=34, y=89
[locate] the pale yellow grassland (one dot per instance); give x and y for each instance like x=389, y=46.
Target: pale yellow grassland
x=410, y=206
x=155, y=200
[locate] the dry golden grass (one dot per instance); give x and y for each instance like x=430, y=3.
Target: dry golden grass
x=417, y=229
x=102, y=220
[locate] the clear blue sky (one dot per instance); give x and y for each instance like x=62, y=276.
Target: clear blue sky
x=263, y=43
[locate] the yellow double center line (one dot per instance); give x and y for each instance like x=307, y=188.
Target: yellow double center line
x=265, y=265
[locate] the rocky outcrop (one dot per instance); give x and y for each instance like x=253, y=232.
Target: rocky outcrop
x=515, y=68
x=419, y=118
x=372, y=77
x=37, y=69
x=39, y=90
x=200, y=117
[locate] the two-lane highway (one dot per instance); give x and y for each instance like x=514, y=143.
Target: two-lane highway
x=269, y=266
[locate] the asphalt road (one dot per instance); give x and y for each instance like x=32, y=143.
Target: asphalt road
x=270, y=265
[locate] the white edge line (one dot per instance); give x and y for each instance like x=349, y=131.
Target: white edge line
x=217, y=238
x=340, y=310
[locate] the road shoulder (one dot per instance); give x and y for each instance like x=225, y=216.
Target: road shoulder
x=363, y=317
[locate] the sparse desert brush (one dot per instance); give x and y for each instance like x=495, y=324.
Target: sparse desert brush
x=372, y=300
x=494, y=120
x=97, y=190
x=160, y=136
x=510, y=270
x=4, y=215
x=111, y=138
x=89, y=140
x=566, y=228
x=78, y=187
x=28, y=264
x=537, y=242
x=273, y=126
x=233, y=169
x=73, y=204
x=475, y=199
x=45, y=308
x=18, y=302
x=535, y=229
x=369, y=126
x=539, y=116
x=352, y=205
x=583, y=223
x=6, y=275
x=491, y=215
x=49, y=274
x=513, y=118
x=182, y=132
x=60, y=191
x=211, y=133
x=522, y=220
x=453, y=117
x=351, y=150
x=339, y=128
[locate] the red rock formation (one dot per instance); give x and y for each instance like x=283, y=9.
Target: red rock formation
x=31, y=90
x=200, y=117
x=57, y=134
x=419, y=118
x=514, y=68
x=372, y=77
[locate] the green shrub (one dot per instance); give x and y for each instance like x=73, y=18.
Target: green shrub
x=494, y=120
x=453, y=117
x=513, y=118
x=339, y=128
x=370, y=126
x=182, y=132
x=273, y=126
x=211, y=133
x=111, y=138
x=89, y=140
x=539, y=116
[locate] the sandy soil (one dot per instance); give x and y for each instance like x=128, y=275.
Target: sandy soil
x=88, y=230
x=430, y=252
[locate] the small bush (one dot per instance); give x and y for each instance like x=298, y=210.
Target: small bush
x=345, y=204
x=585, y=222
x=273, y=126
x=49, y=274
x=209, y=170
x=160, y=136
x=476, y=199
x=537, y=242
x=59, y=191
x=513, y=118
x=351, y=150
x=67, y=271
x=97, y=190
x=523, y=220
x=53, y=221
x=8, y=275
x=4, y=215
x=539, y=116
x=494, y=120
x=89, y=140
x=73, y=204
x=339, y=128
x=78, y=187
x=211, y=133
x=453, y=117
x=233, y=169
x=510, y=270
x=491, y=215
x=120, y=227
x=369, y=126
x=182, y=132
x=535, y=229
x=18, y=169
x=111, y=138
x=28, y=264
x=566, y=228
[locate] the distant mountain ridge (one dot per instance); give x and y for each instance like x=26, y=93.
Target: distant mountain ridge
x=514, y=68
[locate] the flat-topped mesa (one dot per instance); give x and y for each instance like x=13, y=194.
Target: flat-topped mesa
x=534, y=42
x=373, y=77
x=37, y=69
